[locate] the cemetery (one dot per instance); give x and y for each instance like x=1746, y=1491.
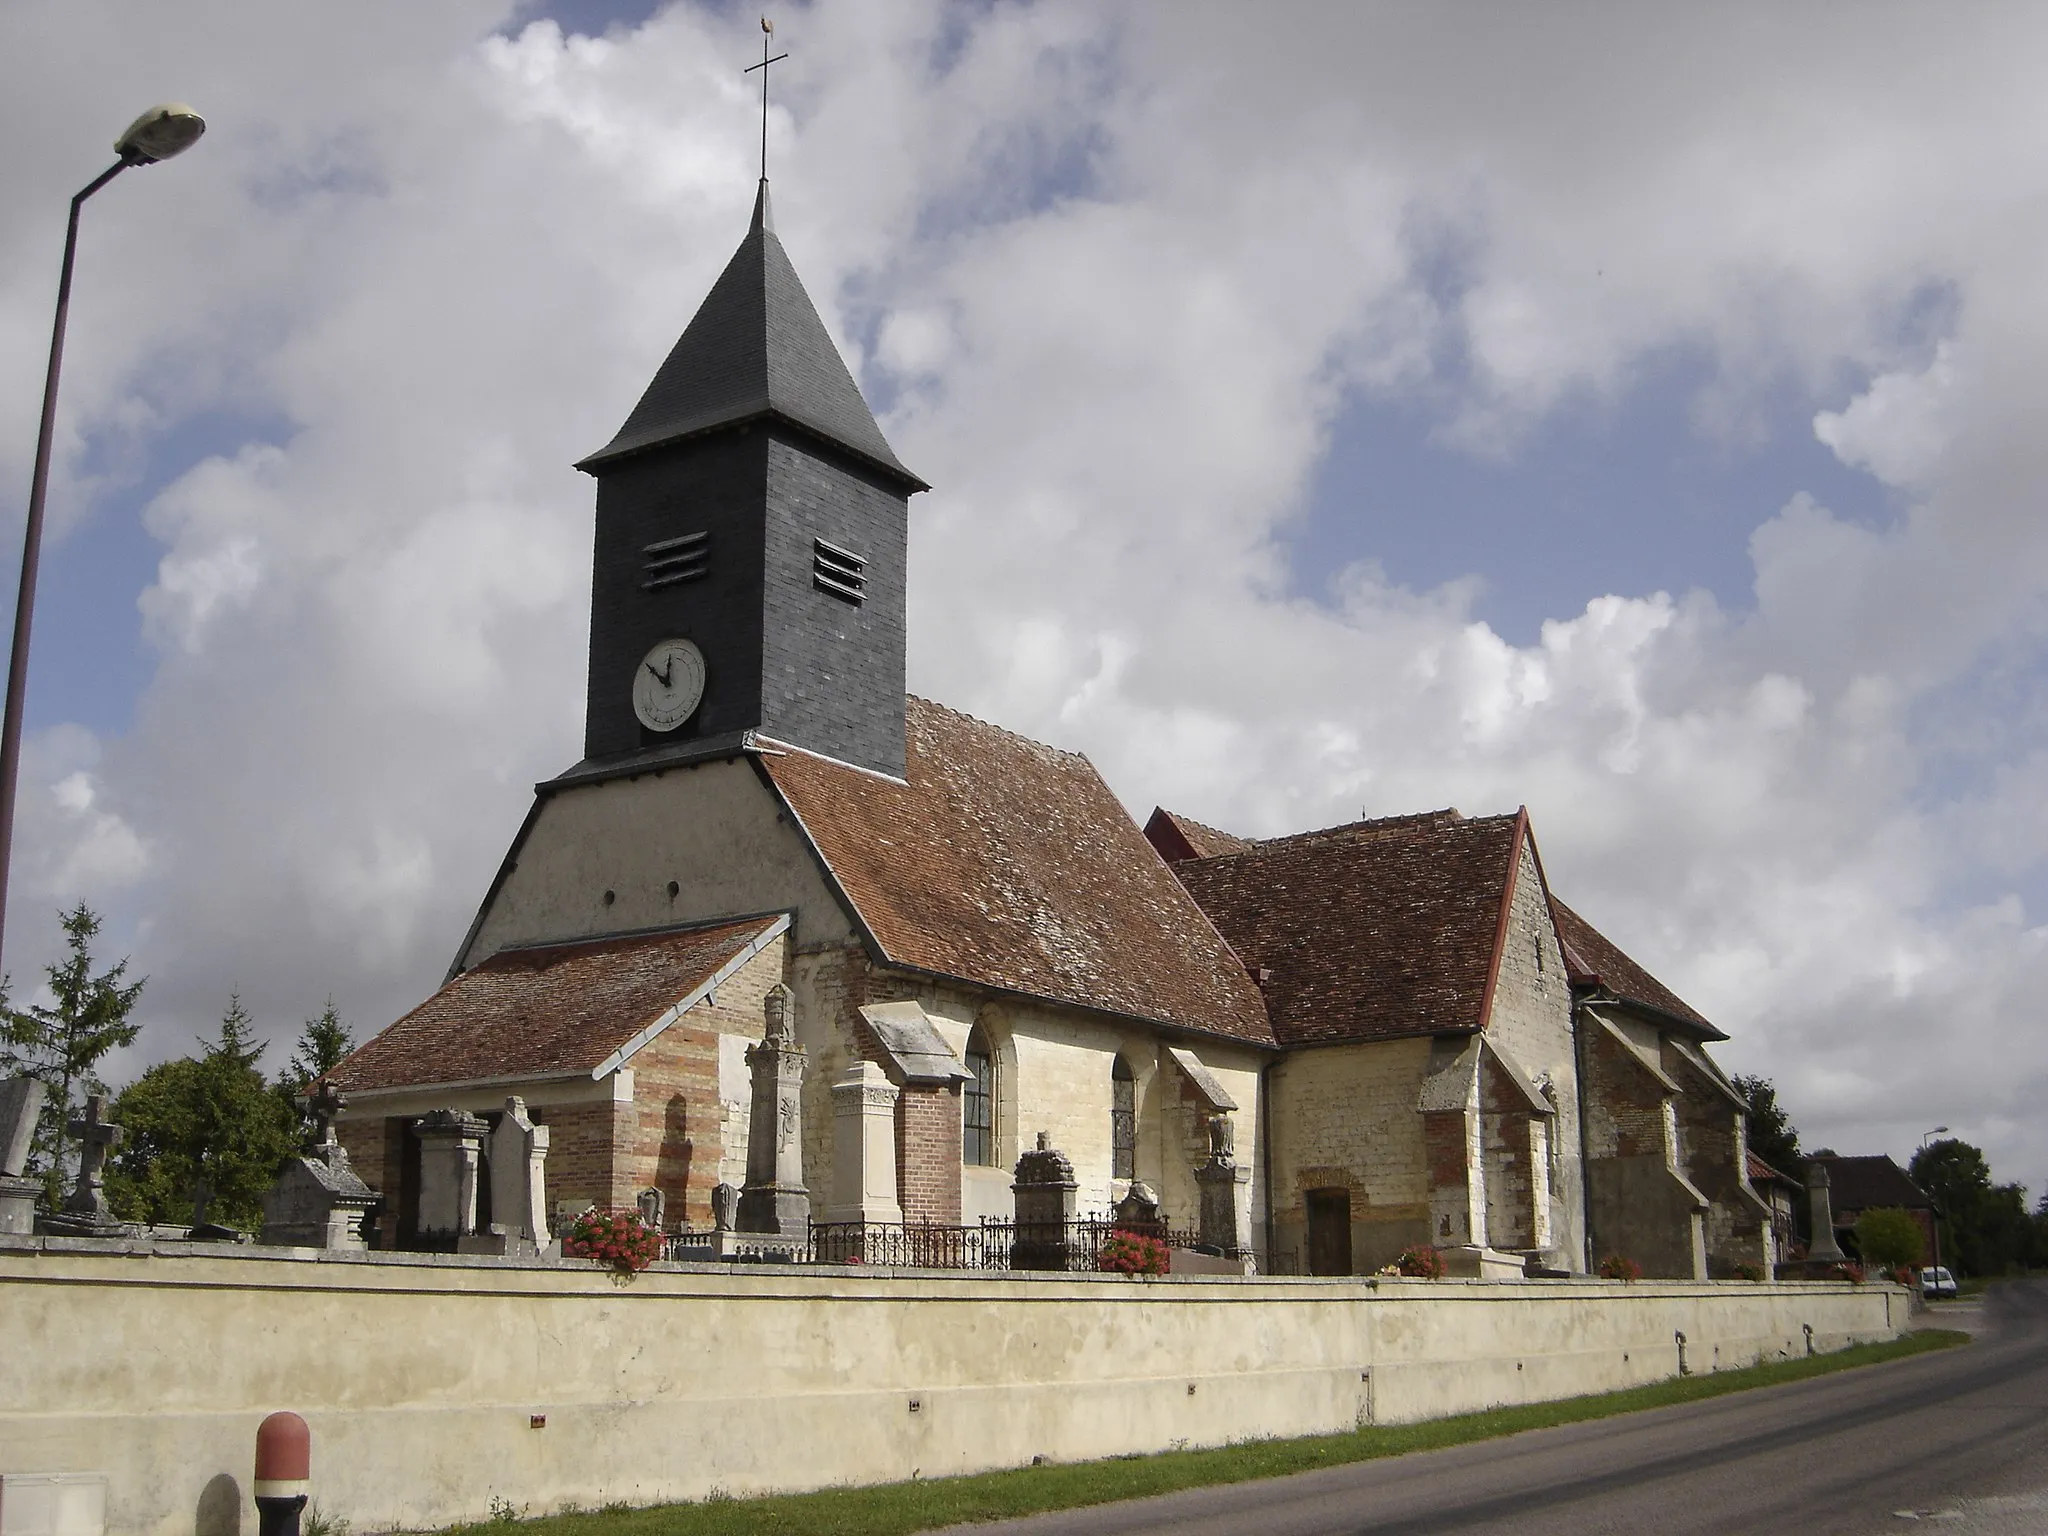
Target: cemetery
x=494, y=1371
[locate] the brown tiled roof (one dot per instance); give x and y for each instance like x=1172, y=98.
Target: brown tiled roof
x=550, y=1009
x=1005, y=862
x=1180, y=837
x=1372, y=931
x=1591, y=957
x=1870, y=1183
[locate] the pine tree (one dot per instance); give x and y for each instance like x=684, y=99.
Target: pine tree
x=323, y=1044
x=63, y=1044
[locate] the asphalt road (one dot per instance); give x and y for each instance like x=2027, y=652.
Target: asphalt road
x=1957, y=1440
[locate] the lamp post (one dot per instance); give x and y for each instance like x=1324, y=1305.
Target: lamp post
x=158, y=134
x=1939, y=1130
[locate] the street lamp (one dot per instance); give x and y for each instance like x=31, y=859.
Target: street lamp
x=158, y=134
x=1939, y=1130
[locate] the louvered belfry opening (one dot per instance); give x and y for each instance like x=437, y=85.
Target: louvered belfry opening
x=838, y=571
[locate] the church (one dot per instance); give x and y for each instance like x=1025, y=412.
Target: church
x=1352, y=1041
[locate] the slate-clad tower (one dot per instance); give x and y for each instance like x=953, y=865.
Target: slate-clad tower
x=751, y=508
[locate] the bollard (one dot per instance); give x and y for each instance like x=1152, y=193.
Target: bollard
x=284, y=1455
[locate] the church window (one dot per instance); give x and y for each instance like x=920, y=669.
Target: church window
x=839, y=571
x=978, y=1105
x=671, y=562
x=1123, y=1121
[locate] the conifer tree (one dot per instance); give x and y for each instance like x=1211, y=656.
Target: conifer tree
x=63, y=1043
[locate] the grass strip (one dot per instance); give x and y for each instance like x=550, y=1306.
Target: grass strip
x=895, y=1509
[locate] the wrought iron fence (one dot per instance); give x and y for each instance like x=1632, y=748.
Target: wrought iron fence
x=990, y=1244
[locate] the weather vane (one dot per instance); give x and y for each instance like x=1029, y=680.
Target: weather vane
x=767, y=37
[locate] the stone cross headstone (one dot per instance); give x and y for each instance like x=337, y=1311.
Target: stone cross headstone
x=1825, y=1249
x=318, y=1201
x=774, y=1199
x=325, y=1103
x=725, y=1207
x=1045, y=1190
x=21, y=1105
x=97, y=1138
x=451, y=1150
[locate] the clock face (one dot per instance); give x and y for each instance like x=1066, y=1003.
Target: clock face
x=668, y=685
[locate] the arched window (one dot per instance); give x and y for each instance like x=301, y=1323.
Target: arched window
x=978, y=1104
x=1123, y=1121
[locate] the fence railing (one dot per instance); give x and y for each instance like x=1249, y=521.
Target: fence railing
x=990, y=1244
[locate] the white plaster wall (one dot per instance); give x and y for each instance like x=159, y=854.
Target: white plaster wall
x=1532, y=1023
x=1053, y=1075
x=421, y=1379
x=714, y=829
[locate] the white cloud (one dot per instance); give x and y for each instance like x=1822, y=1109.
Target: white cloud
x=1117, y=271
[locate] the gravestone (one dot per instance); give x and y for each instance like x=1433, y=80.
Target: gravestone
x=1138, y=1211
x=725, y=1207
x=519, y=1177
x=451, y=1151
x=318, y=1201
x=86, y=1212
x=1825, y=1249
x=1223, y=1224
x=1045, y=1191
x=653, y=1208
x=21, y=1103
x=774, y=1199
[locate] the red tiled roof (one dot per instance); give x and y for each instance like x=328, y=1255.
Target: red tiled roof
x=1761, y=1172
x=1590, y=956
x=1008, y=863
x=550, y=1009
x=1182, y=837
x=1371, y=931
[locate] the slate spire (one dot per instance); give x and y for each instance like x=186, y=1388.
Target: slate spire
x=756, y=349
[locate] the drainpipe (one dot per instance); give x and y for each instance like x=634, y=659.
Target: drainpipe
x=1266, y=1153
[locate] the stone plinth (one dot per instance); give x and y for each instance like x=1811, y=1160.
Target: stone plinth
x=1045, y=1190
x=1824, y=1249
x=451, y=1151
x=864, y=1147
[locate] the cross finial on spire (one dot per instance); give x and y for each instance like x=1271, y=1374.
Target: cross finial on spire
x=767, y=37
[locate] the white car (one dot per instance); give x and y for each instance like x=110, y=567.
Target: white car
x=1937, y=1284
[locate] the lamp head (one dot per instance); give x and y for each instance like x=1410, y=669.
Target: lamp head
x=160, y=133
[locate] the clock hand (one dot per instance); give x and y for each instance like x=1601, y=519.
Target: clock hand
x=668, y=673
x=656, y=675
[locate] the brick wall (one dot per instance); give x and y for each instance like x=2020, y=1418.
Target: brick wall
x=928, y=1153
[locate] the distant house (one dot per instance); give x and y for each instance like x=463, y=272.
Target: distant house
x=1859, y=1184
x=1782, y=1193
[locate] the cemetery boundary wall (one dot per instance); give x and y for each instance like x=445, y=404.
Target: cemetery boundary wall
x=436, y=1387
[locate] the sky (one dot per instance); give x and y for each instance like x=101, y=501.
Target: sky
x=1630, y=413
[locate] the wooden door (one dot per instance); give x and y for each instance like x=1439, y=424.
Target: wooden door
x=1329, y=1231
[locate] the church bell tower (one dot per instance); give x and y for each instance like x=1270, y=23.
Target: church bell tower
x=748, y=573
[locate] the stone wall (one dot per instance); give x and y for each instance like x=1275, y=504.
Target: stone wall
x=1344, y=1116
x=1531, y=1022
x=436, y=1386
